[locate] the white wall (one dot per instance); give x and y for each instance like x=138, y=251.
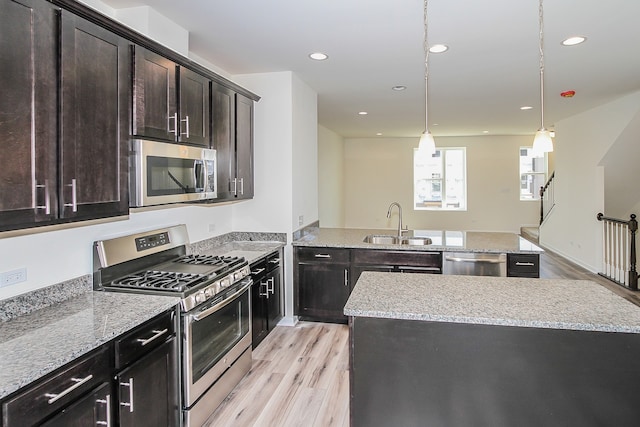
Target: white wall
x=331, y=178
x=581, y=143
x=379, y=171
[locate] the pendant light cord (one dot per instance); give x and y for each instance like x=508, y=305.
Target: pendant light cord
x=426, y=70
x=541, y=43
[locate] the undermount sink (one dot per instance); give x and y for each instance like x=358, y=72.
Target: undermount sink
x=384, y=239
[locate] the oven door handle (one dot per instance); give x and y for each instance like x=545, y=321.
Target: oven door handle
x=225, y=302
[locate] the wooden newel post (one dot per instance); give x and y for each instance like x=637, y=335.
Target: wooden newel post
x=633, y=274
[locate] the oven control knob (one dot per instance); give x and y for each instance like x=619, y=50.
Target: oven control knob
x=208, y=292
x=200, y=297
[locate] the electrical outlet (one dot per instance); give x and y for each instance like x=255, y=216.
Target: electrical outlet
x=301, y=220
x=212, y=228
x=12, y=277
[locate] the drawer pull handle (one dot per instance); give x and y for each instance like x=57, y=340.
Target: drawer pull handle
x=107, y=402
x=527, y=264
x=157, y=335
x=130, y=385
x=78, y=383
x=322, y=256
x=258, y=271
x=275, y=261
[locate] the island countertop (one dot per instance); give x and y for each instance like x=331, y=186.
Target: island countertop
x=506, y=301
x=448, y=241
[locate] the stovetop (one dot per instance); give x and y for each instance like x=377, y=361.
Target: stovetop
x=156, y=263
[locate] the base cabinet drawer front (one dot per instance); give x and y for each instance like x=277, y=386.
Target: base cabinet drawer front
x=95, y=409
x=398, y=258
x=523, y=265
x=144, y=338
x=322, y=255
x=59, y=390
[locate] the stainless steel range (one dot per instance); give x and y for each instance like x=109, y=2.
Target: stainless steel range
x=215, y=320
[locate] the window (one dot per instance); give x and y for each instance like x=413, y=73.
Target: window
x=440, y=180
x=532, y=173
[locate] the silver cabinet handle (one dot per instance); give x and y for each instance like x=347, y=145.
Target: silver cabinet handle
x=527, y=264
x=78, y=383
x=186, y=121
x=258, y=271
x=241, y=186
x=47, y=198
x=271, y=289
x=157, y=335
x=346, y=277
x=275, y=261
x=322, y=256
x=486, y=261
x=74, y=196
x=235, y=186
x=266, y=289
x=174, y=131
x=107, y=402
x=130, y=385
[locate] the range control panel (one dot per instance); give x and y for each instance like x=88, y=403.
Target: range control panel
x=152, y=241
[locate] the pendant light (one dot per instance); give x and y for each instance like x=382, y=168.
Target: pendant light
x=427, y=145
x=542, y=140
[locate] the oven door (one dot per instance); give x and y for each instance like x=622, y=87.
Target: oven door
x=215, y=335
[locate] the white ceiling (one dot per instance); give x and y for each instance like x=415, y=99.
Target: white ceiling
x=489, y=72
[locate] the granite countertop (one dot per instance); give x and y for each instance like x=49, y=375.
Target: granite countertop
x=252, y=251
x=506, y=301
x=38, y=343
x=449, y=241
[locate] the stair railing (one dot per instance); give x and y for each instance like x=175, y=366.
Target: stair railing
x=619, y=251
x=547, y=199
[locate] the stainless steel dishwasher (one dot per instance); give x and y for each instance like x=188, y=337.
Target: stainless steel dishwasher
x=474, y=264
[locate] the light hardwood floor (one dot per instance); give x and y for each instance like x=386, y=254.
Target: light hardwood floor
x=300, y=375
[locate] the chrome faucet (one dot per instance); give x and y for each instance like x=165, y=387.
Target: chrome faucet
x=400, y=229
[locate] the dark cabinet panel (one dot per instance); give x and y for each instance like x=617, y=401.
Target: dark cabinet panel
x=28, y=113
x=155, y=112
x=244, y=147
x=94, y=142
x=95, y=409
x=195, y=120
x=266, y=302
x=147, y=390
x=523, y=265
x=274, y=298
x=223, y=131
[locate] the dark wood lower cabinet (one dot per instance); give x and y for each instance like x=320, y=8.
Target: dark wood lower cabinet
x=95, y=409
x=266, y=296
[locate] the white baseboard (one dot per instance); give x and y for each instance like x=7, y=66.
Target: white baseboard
x=288, y=321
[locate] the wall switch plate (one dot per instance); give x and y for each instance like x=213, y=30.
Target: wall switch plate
x=12, y=277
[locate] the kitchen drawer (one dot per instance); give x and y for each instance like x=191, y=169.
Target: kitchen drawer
x=144, y=338
x=273, y=261
x=258, y=270
x=58, y=390
x=322, y=255
x=523, y=265
x=398, y=258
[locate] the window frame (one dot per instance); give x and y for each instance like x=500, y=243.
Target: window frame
x=521, y=174
x=462, y=204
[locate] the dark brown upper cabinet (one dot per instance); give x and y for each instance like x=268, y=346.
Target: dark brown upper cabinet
x=64, y=152
x=232, y=129
x=170, y=102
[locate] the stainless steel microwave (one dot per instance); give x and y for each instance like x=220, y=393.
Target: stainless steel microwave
x=162, y=173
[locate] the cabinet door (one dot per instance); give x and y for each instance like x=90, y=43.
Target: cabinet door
x=147, y=390
x=28, y=113
x=259, y=327
x=323, y=290
x=244, y=147
x=95, y=409
x=274, y=298
x=223, y=133
x=94, y=137
x=155, y=112
x=194, y=108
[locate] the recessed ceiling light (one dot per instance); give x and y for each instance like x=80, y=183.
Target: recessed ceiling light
x=572, y=41
x=399, y=87
x=318, y=56
x=526, y=107
x=379, y=134
x=438, y=48
x=363, y=113
x=485, y=131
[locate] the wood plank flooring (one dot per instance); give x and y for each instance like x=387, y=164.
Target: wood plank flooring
x=300, y=375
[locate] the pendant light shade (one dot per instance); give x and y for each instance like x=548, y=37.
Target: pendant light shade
x=427, y=145
x=542, y=140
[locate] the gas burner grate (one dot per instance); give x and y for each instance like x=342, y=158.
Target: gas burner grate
x=162, y=280
x=226, y=261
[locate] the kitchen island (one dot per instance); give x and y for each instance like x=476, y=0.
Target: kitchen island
x=491, y=351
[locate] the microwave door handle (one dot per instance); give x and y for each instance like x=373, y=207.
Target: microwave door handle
x=198, y=175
